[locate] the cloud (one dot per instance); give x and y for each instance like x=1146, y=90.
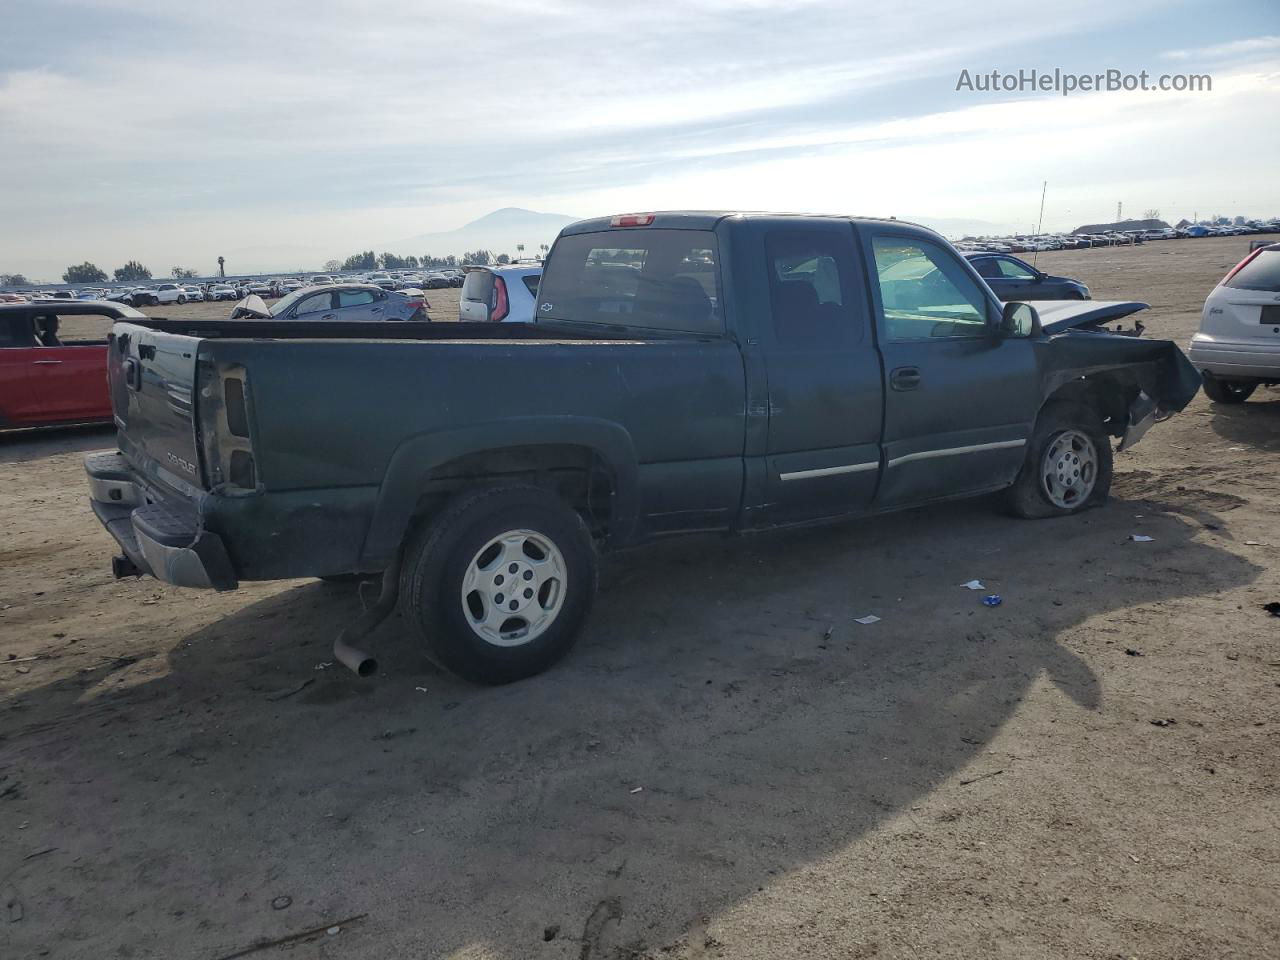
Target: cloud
x=168, y=131
x=1236, y=48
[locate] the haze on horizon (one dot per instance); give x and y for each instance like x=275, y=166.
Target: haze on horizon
x=287, y=134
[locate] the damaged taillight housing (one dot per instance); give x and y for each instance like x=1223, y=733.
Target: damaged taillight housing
x=226, y=427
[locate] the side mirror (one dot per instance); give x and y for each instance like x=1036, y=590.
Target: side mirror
x=1040, y=277
x=1019, y=320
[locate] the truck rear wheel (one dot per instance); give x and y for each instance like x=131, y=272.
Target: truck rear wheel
x=499, y=584
x=1068, y=465
x=1228, y=391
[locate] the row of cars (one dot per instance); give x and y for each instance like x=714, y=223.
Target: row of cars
x=1078, y=241
x=182, y=292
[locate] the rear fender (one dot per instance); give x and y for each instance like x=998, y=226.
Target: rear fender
x=411, y=466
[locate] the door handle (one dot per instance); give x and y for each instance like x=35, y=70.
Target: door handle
x=45, y=363
x=327, y=316
x=905, y=378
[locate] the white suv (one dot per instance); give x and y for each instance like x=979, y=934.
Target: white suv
x=170, y=293
x=1238, y=346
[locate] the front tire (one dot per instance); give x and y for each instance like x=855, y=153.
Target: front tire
x=182, y=299
x=499, y=584
x=1068, y=466
x=1228, y=391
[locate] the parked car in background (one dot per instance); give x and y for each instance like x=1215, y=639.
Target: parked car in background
x=194, y=294
x=282, y=286
x=340, y=302
x=221, y=291
x=169, y=293
x=1238, y=345
x=49, y=375
x=319, y=279
x=500, y=294
x=384, y=280
x=1014, y=279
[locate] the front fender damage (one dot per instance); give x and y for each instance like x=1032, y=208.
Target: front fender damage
x=1140, y=381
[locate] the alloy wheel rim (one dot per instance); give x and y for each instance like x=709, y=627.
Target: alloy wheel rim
x=1069, y=469
x=513, y=588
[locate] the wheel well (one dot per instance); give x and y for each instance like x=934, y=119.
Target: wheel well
x=576, y=474
x=1109, y=395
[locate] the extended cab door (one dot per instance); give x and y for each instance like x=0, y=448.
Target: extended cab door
x=960, y=401
x=823, y=374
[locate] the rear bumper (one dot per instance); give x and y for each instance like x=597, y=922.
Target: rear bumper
x=1244, y=359
x=161, y=537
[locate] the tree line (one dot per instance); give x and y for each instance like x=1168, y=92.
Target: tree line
x=134, y=272
x=369, y=260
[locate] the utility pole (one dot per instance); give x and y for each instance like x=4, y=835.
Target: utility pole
x=1039, y=226
x=222, y=272
x=1119, y=207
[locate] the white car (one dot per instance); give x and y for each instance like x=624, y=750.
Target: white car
x=1238, y=346
x=169, y=293
x=221, y=291
x=500, y=294
x=194, y=294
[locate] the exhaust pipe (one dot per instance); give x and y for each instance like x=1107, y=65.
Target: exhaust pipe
x=344, y=650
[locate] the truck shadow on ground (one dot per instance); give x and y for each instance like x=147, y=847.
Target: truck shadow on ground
x=723, y=722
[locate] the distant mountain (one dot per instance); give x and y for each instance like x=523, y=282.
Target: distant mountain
x=498, y=232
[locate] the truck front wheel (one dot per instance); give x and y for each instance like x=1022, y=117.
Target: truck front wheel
x=1068, y=465
x=499, y=584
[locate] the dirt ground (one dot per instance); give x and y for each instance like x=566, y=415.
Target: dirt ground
x=727, y=765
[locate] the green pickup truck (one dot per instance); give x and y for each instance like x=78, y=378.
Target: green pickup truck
x=687, y=371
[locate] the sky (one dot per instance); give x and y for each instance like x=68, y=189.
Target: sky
x=288, y=132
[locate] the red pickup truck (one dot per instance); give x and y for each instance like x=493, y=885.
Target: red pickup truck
x=53, y=361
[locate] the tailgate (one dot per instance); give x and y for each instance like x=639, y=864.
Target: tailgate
x=152, y=377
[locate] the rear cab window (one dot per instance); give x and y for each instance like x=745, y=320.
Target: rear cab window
x=652, y=279
x=1262, y=273
x=811, y=282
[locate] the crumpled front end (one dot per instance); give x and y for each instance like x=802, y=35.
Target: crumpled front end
x=1138, y=381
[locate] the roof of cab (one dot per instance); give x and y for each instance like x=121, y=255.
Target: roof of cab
x=707, y=220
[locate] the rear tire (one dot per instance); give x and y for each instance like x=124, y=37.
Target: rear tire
x=1228, y=391
x=1068, y=466
x=457, y=582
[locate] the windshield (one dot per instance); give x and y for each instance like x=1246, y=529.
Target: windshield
x=284, y=303
x=654, y=279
